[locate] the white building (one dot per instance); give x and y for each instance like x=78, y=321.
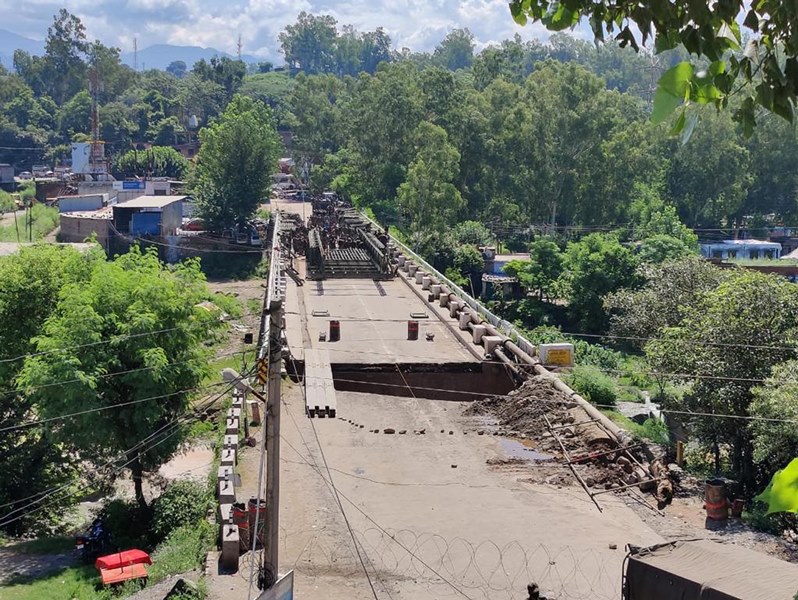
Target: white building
x=741, y=249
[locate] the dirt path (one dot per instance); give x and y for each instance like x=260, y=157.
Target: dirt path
x=14, y=563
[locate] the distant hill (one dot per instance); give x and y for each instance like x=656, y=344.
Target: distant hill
x=11, y=41
x=154, y=57
x=160, y=55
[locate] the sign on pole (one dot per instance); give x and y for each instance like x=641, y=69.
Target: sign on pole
x=263, y=371
x=282, y=590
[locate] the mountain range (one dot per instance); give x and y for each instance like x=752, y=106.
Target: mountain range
x=153, y=57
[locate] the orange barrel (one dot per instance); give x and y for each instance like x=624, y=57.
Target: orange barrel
x=715, y=500
x=256, y=504
x=241, y=520
x=412, y=330
x=335, y=331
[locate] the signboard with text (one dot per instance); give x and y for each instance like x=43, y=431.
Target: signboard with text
x=282, y=590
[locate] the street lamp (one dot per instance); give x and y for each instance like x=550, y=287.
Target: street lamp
x=269, y=441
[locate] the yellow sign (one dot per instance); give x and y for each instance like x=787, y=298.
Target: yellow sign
x=263, y=371
x=561, y=357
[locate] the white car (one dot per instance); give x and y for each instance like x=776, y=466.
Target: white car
x=25, y=176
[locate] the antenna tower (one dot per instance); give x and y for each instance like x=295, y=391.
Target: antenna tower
x=97, y=162
x=238, y=46
x=135, y=54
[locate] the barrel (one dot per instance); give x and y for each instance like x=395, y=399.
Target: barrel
x=254, y=505
x=240, y=518
x=335, y=331
x=737, y=508
x=715, y=500
x=412, y=330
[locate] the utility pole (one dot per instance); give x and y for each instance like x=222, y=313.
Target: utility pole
x=271, y=547
x=239, y=47
x=135, y=54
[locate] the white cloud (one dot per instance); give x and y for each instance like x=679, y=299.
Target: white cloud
x=417, y=24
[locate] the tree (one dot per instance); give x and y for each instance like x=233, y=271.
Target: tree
x=427, y=198
x=375, y=48
x=226, y=72
x=546, y=266
x=769, y=63
x=33, y=462
x=456, y=51
x=468, y=262
x=238, y=155
x=309, y=44
x=669, y=289
x=132, y=295
x=65, y=48
x=473, y=233
x=158, y=161
x=594, y=267
x=177, y=68
x=775, y=410
x=661, y=248
x=723, y=345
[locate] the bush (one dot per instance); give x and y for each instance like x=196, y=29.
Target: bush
x=126, y=522
x=593, y=385
x=183, y=550
x=184, y=502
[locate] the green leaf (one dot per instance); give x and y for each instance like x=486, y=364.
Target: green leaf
x=678, y=125
x=689, y=127
x=671, y=89
x=781, y=495
x=518, y=12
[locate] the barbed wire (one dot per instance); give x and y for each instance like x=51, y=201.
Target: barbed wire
x=483, y=570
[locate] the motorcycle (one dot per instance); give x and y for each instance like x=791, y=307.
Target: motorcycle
x=95, y=542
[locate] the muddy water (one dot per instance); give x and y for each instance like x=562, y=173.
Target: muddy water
x=522, y=449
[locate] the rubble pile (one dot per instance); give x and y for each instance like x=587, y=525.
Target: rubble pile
x=521, y=415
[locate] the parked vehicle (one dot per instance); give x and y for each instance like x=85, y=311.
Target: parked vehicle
x=93, y=543
x=194, y=225
x=25, y=176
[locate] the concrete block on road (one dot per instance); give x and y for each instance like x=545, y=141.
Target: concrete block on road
x=454, y=306
x=479, y=331
x=465, y=320
x=230, y=549
x=401, y=260
x=231, y=426
x=411, y=269
x=426, y=282
x=420, y=277
x=436, y=290
x=228, y=457
x=444, y=298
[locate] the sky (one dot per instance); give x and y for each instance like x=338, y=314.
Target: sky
x=417, y=24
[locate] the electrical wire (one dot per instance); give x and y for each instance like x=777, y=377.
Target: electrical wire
x=40, y=422
x=114, y=374
x=176, y=423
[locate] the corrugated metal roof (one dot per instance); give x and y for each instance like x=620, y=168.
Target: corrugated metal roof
x=150, y=201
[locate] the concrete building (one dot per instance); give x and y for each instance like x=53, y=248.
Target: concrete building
x=741, y=250
x=86, y=203
x=78, y=226
x=149, y=215
x=6, y=173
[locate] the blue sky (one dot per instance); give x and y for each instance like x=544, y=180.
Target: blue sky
x=416, y=24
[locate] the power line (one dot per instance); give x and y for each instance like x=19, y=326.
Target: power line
x=174, y=423
x=103, y=408
x=114, y=374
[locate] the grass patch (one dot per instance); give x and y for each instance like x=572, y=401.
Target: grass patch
x=183, y=550
x=246, y=357
x=45, y=219
x=653, y=430
x=254, y=306
x=72, y=583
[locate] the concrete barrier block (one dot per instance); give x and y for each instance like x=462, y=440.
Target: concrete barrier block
x=228, y=457
x=227, y=491
x=411, y=270
x=465, y=319
x=454, y=306
x=444, y=297
x=436, y=290
x=491, y=342
x=420, y=277
x=234, y=412
x=230, y=548
x=230, y=441
x=231, y=426
x=426, y=282
x=401, y=260
x=479, y=331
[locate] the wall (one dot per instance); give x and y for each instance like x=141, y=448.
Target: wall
x=6, y=174
x=76, y=228
x=171, y=218
x=81, y=203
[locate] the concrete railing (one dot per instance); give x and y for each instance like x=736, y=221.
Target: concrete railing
x=422, y=265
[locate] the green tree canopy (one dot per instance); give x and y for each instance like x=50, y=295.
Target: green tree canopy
x=132, y=295
x=158, y=161
x=238, y=155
